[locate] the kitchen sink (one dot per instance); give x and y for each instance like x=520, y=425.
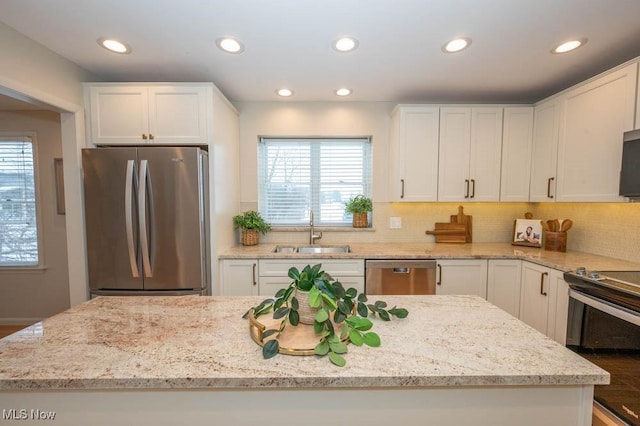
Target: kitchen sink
x=313, y=249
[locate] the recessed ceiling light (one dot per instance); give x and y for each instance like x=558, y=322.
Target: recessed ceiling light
x=285, y=93
x=345, y=44
x=113, y=45
x=456, y=45
x=230, y=45
x=568, y=46
x=343, y=92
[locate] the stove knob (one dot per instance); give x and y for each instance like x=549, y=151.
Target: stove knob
x=594, y=274
x=581, y=270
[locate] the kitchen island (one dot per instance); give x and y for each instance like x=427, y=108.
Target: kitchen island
x=190, y=360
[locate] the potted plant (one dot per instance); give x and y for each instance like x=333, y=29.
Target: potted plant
x=337, y=315
x=251, y=224
x=359, y=206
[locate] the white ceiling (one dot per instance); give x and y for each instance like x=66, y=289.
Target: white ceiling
x=288, y=43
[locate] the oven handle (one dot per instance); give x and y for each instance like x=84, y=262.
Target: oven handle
x=605, y=306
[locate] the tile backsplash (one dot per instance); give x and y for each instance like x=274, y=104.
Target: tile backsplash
x=608, y=229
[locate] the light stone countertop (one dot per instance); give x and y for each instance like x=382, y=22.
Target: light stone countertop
x=193, y=342
x=562, y=261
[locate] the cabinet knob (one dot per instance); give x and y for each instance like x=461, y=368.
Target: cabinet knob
x=549, y=187
x=466, y=194
x=402, y=188
x=151, y=136
x=144, y=136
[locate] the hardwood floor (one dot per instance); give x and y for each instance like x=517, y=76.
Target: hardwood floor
x=6, y=330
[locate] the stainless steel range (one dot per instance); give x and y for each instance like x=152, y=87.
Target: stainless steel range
x=604, y=327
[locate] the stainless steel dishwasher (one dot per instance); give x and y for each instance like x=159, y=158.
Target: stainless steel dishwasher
x=400, y=277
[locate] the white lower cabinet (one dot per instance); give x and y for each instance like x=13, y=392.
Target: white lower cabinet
x=544, y=300
x=239, y=277
x=462, y=276
x=503, y=284
x=274, y=272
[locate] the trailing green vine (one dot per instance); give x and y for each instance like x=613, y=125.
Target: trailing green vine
x=335, y=306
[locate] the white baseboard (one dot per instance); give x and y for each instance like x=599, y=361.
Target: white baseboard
x=19, y=321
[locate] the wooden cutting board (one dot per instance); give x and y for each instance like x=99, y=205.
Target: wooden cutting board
x=466, y=220
x=457, y=231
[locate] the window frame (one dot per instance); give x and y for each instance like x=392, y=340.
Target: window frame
x=32, y=138
x=315, y=197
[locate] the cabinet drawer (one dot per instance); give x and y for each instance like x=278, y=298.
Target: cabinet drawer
x=334, y=267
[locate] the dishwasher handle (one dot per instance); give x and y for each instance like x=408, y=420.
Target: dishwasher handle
x=400, y=266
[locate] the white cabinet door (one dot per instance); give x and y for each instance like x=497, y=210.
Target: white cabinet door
x=485, y=155
x=517, y=140
x=239, y=277
x=470, y=151
x=534, y=302
x=123, y=114
x=503, y=284
x=414, y=153
x=119, y=115
x=544, y=160
x=178, y=114
x=544, y=303
x=462, y=276
x=455, y=147
x=559, y=308
x=594, y=118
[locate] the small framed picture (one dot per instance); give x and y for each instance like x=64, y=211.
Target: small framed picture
x=527, y=232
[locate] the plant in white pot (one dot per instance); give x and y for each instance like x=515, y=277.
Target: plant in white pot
x=359, y=206
x=251, y=224
x=313, y=297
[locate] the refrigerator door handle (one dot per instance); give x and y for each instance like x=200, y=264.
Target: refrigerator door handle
x=142, y=206
x=128, y=217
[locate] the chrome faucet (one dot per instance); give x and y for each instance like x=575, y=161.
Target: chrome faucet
x=312, y=235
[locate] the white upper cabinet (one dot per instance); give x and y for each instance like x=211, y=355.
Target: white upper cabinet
x=470, y=152
x=544, y=158
x=135, y=114
x=593, y=119
x=517, y=140
x=414, y=153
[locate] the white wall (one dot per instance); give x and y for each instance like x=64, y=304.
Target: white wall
x=31, y=70
x=313, y=119
x=28, y=296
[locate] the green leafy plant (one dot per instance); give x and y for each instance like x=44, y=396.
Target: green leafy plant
x=335, y=306
x=359, y=204
x=251, y=220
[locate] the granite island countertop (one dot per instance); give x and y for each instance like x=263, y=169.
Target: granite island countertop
x=557, y=260
x=194, y=342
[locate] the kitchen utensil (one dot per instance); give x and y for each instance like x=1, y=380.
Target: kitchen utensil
x=553, y=225
x=566, y=225
x=545, y=225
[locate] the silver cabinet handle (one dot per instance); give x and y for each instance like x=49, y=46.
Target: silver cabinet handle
x=542, y=292
x=142, y=219
x=473, y=188
x=128, y=216
x=402, y=188
x=466, y=194
x=439, y=282
x=551, y=179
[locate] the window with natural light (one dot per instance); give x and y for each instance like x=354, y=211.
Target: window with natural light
x=18, y=224
x=300, y=175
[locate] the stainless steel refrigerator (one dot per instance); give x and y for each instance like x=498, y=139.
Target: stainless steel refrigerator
x=146, y=215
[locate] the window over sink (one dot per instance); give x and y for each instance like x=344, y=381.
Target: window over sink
x=300, y=175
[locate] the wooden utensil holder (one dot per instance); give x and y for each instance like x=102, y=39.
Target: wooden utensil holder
x=555, y=241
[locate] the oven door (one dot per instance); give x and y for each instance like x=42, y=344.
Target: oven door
x=608, y=336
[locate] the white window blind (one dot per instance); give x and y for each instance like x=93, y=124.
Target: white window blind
x=297, y=176
x=18, y=226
